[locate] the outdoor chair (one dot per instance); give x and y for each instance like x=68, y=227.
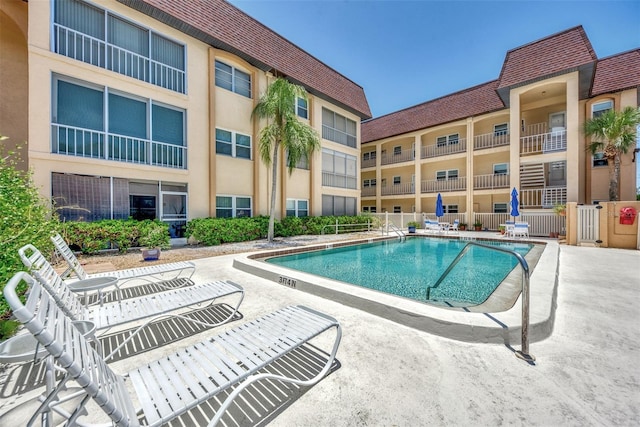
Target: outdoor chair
x=453, y=227
x=151, y=307
x=432, y=226
x=152, y=273
x=174, y=384
x=508, y=230
x=521, y=229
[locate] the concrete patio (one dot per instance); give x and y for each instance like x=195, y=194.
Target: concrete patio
x=586, y=371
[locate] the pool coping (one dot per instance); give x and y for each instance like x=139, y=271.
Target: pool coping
x=502, y=327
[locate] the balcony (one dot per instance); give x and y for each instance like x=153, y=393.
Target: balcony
x=491, y=181
x=490, y=140
x=82, y=47
x=407, y=155
x=73, y=141
x=368, y=192
x=543, y=142
x=544, y=197
x=398, y=189
x=337, y=180
x=369, y=163
x=435, y=150
x=443, y=185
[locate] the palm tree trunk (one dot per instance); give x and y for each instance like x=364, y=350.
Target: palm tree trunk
x=614, y=177
x=274, y=176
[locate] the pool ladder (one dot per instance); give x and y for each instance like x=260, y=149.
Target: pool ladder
x=524, y=352
x=391, y=226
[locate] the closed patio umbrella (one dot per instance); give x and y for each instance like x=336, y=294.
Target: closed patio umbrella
x=514, y=203
x=439, y=208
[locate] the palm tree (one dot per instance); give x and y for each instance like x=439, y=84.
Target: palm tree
x=285, y=133
x=613, y=133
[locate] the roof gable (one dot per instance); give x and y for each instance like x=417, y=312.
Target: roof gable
x=618, y=72
x=224, y=26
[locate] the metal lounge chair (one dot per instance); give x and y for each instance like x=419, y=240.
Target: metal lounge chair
x=173, y=385
x=152, y=273
x=151, y=307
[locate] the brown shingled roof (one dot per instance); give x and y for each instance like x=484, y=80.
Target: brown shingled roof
x=224, y=26
x=559, y=52
x=618, y=72
x=477, y=100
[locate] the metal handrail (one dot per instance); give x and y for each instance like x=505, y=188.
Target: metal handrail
x=396, y=230
x=524, y=352
x=354, y=227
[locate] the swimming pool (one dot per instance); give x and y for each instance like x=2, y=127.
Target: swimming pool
x=409, y=268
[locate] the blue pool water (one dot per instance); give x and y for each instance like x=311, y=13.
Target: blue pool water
x=408, y=268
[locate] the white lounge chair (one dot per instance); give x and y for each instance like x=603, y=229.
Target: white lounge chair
x=453, y=227
x=521, y=229
x=152, y=273
x=508, y=232
x=176, y=383
x=432, y=226
x=151, y=307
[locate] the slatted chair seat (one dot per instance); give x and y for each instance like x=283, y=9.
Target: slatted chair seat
x=432, y=226
x=151, y=307
x=520, y=229
x=170, y=386
x=151, y=273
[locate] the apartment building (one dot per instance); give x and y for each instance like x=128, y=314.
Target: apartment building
x=143, y=109
x=522, y=130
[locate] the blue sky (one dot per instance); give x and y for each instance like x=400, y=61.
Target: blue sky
x=404, y=53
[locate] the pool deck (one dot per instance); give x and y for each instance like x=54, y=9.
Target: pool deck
x=586, y=370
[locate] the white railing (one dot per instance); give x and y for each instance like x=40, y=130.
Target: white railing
x=405, y=156
x=338, y=136
x=544, y=143
x=82, y=47
x=490, y=140
x=490, y=181
x=368, y=191
x=74, y=141
x=438, y=185
x=546, y=197
x=398, y=189
x=369, y=163
x=330, y=179
x=443, y=150
x=540, y=223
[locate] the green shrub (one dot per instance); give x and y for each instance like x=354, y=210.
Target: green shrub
x=25, y=218
x=214, y=231
x=91, y=237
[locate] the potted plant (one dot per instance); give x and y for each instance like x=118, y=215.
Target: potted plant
x=477, y=226
x=412, y=225
x=502, y=229
x=462, y=226
x=155, y=239
x=560, y=209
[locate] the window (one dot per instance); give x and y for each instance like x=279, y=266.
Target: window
x=397, y=150
x=98, y=197
x=303, y=162
x=302, y=110
x=338, y=128
x=297, y=208
x=339, y=169
x=230, y=78
x=600, y=108
x=233, y=206
x=369, y=183
x=233, y=144
x=338, y=205
x=397, y=209
x=599, y=160
x=450, y=209
x=442, y=141
x=500, y=208
x=94, y=121
x=396, y=180
x=501, y=169
x=446, y=175
x=95, y=36
x=371, y=155
x=501, y=129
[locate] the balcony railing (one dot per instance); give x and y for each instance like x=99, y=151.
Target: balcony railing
x=73, y=141
x=330, y=179
x=407, y=155
x=368, y=191
x=441, y=185
x=82, y=47
x=443, y=150
x=398, y=189
x=546, y=197
x=490, y=140
x=481, y=182
x=543, y=143
x=369, y=163
x=338, y=136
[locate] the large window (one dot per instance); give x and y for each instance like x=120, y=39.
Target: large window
x=338, y=128
x=232, y=79
x=302, y=109
x=233, y=206
x=447, y=174
x=94, y=121
x=339, y=169
x=600, y=108
x=296, y=207
x=442, y=141
x=233, y=144
x=93, y=35
x=338, y=205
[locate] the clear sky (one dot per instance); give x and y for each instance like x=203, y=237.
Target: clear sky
x=404, y=53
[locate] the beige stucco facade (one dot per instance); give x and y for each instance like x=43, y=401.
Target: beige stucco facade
x=200, y=174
